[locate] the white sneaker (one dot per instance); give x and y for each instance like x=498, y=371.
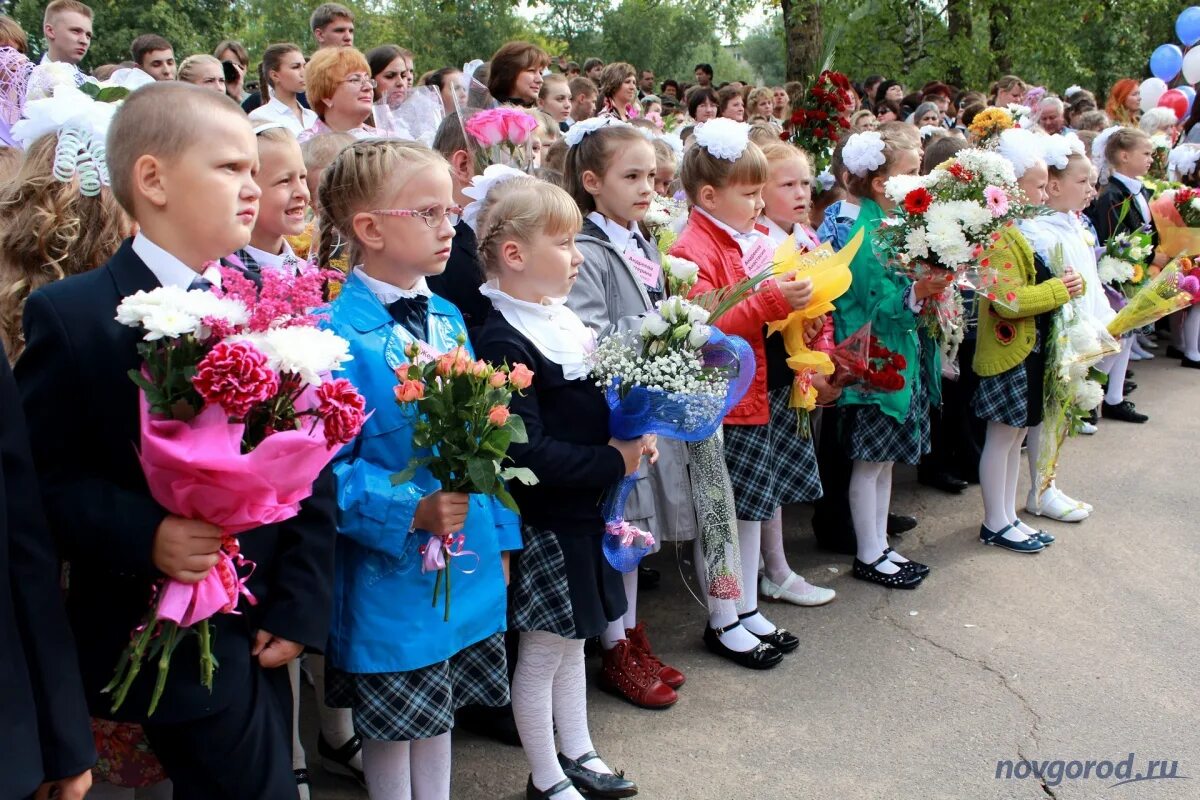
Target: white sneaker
x=1088, y=507
x=795, y=590
x=1054, y=505
x=1087, y=429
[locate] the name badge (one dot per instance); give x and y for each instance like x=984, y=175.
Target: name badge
x=647, y=269
x=760, y=257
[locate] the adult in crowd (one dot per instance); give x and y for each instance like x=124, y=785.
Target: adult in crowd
x=154, y=56
x=203, y=70
x=282, y=74
x=341, y=91
x=515, y=77
x=238, y=57
x=1124, y=106
x=704, y=75
x=618, y=91
x=702, y=103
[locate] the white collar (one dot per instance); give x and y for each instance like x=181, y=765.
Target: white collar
x=744, y=240
x=621, y=238
x=169, y=270
x=386, y=292
x=804, y=238
x=275, y=261
x=848, y=209
x=1132, y=184
x=553, y=328
x=307, y=115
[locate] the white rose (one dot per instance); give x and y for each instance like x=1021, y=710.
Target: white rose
x=699, y=336
x=696, y=314
x=653, y=326
x=681, y=269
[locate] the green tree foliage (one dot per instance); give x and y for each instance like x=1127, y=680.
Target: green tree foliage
x=765, y=51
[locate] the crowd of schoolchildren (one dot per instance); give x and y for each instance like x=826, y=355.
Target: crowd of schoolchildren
x=288, y=167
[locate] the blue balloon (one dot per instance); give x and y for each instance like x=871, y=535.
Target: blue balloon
x=1187, y=26
x=1165, y=62
x=1189, y=93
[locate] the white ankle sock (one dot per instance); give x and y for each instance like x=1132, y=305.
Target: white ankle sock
x=539, y=655
x=1191, y=334
x=570, y=706
x=722, y=613
x=864, y=499
x=757, y=624
x=775, y=563
x=387, y=768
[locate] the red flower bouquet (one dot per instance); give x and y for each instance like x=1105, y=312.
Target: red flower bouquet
x=238, y=418
x=860, y=360
x=820, y=117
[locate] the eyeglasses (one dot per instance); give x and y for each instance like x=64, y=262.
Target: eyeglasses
x=432, y=216
x=359, y=80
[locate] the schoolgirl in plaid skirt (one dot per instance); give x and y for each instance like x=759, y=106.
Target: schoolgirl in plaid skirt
x=880, y=428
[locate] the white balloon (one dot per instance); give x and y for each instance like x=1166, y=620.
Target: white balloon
x=1191, y=65
x=1151, y=89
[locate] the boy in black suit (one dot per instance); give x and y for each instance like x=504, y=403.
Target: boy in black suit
x=181, y=161
x=44, y=727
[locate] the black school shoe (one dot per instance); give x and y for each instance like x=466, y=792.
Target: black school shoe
x=592, y=783
x=764, y=656
x=896, y=525
x=902, y=579
x=779, y=637
x=915, y=567
x=1123, y=411
x=942, y=481
x=1184, y=361
x=337, y=760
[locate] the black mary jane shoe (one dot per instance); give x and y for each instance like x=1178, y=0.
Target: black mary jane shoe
x=915, y=567
x=303, y=781
x=764, y=656
x=648, y=577
x=534, y=793
x=592, y=783
x=901, y=579
x=337, y=759
x=778, y=638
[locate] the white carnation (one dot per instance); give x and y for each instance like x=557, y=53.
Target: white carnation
x=1087, y=394
x=916, y=244
x=170, y=311
x=301, y=350
x=898, y=186
x=1113, y=270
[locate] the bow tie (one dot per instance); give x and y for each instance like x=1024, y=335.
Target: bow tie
x=411, y=313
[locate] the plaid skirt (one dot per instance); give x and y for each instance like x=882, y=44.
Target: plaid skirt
x=771, y=465
x=871, y=435
x=539, y=598
x=420, y=704
x=1012, y=398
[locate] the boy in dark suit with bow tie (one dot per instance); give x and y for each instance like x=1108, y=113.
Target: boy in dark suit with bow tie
x=181, y=161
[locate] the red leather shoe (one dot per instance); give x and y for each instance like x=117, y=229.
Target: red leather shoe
x=641, y=642
x=626, y=676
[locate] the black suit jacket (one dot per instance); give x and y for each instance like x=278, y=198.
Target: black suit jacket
x=44, y=724
x=83, y=423
x=1105, y=210
x=460, y=281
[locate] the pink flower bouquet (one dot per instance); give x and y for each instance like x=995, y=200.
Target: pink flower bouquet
x=238, y=418
x=500, y=136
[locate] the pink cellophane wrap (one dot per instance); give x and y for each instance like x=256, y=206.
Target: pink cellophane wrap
x=197, y=470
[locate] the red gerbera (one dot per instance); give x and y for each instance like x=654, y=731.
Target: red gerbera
x=918, y=200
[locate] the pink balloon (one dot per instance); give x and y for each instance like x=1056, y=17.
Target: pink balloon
x=1176, y=101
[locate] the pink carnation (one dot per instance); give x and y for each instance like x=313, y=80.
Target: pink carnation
x=997, y=201
x=236, y=376
x=342, y=409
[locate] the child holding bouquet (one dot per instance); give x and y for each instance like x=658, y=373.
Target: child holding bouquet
x=881, y=428
x=393, y=657
x=563, y=589
x=181, y=161
x=610, y=172
x=769, y=463
x=787, y=198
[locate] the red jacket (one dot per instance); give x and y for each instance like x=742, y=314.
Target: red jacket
x=720, y=262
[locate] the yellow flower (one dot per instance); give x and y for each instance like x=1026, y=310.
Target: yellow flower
x=1138, y=272
x=990, y=122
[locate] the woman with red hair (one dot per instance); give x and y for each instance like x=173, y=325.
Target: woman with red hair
x=1124, y=102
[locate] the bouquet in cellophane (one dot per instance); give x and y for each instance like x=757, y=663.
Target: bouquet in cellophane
x=678, y=376
x=463, y=431
x=1167, y=292
x=947, y=220
x=1072, y=387
x=862, y=361
x=831, y=277
x=1123, y=263
x=1176, y=214
x=238, y=418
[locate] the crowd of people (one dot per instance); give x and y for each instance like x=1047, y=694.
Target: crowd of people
x=359, y=162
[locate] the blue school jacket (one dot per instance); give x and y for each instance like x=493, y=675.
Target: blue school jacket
x=383, y=614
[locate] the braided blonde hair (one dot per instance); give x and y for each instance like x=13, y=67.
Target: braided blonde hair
x=356, y=181
x=521, y=208
x=50, y=231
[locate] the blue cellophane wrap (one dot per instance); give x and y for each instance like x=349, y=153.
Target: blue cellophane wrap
x=690, y=418
x=622, y=557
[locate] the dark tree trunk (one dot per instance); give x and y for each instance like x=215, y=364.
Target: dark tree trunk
x=958, y=17
x=999, y=19
x=802, y=31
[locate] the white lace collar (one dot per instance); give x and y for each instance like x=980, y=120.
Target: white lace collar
x=553, y=328
x=386, y=292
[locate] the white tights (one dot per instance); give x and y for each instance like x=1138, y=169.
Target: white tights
x=999, y=468
x=722, y=613
x=416, y=770
x=615, y=631
x=549, y=689
x=1115, y=366
x=1191, y=334
x=870, y=498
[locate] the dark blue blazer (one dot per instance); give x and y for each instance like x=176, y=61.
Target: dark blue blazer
x=83, y=426
x=44, y=724
x=1105, y=210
